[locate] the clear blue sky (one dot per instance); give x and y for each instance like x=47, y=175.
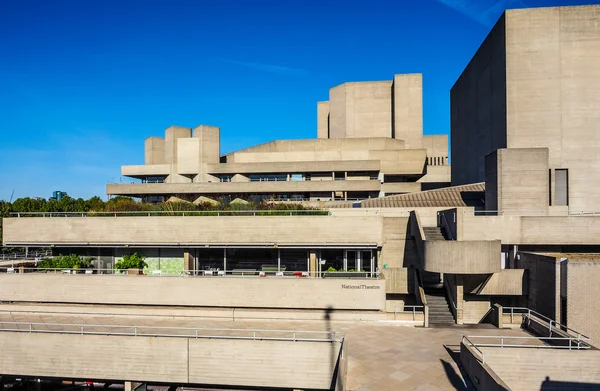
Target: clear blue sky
x=83, y=82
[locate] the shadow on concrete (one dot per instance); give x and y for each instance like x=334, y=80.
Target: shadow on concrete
x=460, y=381
x=553, y=385
x=333, y=358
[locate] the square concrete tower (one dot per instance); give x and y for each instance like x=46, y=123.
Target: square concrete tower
x=534, y=83
x=390, y=108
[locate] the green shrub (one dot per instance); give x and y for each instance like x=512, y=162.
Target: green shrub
x=332, y=269
x=65, y=262
x=131, y=261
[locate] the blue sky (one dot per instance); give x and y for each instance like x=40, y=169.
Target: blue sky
x=82, y=83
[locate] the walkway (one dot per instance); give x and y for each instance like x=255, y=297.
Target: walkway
x=381, y=356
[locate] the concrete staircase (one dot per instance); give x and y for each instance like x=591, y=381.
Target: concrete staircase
x=434, y=233
x=439, y=308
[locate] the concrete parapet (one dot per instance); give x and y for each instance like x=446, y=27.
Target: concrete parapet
x=482, y=376
x=189, y=230
x=248, y=362
x=472, y=257
x=258, y=292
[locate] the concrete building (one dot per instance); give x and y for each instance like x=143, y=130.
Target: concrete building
x=529, y=99
x=515, y=243
x=374, y=146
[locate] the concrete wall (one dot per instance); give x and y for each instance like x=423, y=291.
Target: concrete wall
x=94, y=357
x=544, y=283
x=297, y=365
x=322, y=119
x=436, y=145
x=408, y=110
x=210, y=149
x=154, y=150
x=475, y=308
x=361, y=110
x=478, y=102
x=552, y=94
x=583, y=293
x=289, y=167
x=242, y=187
x=472, y=257
x=488, y=380
x=142, y=171
x=296, y=293
x=301, y=365
x=532, y=85
x=195, y=230
x=521, y=177
x=507, y=282
x=551, y=230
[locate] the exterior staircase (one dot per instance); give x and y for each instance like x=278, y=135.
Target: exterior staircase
x=439, y=308
x=434, y=233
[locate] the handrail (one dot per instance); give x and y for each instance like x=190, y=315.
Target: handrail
x=517, y=212
x=528, y=312
x=413, y=310
x=454, y=304
x=465, y=338
x=581, y=342
x=313, y=212
x=235, y=273
x=194, y=332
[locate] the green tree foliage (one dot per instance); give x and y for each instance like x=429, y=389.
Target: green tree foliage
x=65, y=262
x=131, y=261
x=128, y=204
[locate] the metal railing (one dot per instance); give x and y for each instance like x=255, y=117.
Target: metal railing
x=529, y=212
x=471, y=344
x=346, y=275
x=410, y=309
x=166, y=331
x=575, y=343
x=24, y=256
x=176, y=213
x=552, y=324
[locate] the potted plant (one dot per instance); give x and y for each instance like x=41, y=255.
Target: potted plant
x=132, y=263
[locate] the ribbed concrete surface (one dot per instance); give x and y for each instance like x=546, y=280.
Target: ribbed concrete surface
x=448, y=197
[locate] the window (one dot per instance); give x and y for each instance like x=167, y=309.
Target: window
x=267, y=177
x=561, y=187
x=154, y=179
x=225, y=178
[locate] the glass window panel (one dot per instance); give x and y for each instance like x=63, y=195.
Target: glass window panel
x=248, y=260
x=293, y=260
x=210, y=259
x=332, y=258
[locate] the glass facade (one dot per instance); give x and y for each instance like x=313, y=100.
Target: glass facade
x=253, y=261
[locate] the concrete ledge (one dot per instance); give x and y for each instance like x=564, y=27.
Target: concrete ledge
x=194, y=231
x=228, y=292
x=233, y=362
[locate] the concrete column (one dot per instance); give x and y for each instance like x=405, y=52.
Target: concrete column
x=459, y=299
x=312, y=263
x=189, y=262
x=498, y=318
x=128, y=386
